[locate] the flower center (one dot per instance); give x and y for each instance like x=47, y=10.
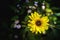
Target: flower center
x=38, y=23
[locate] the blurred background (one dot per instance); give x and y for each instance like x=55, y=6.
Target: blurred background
x=5, y=19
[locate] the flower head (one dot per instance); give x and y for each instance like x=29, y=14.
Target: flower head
x=38, y=23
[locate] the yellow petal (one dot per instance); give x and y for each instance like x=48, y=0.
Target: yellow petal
x=36, y=32
x=37, y=14
x=30, y=29
x=46, y=28
x=32, y=15
x=44, y=32
x=32, y=22
x=29, y=20
x=40, y=32
x=45, y=19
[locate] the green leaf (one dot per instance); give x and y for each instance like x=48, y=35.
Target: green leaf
x=57, y=26
x=14, y=18
x=57, y=14
x=26, y=18
x=30, y=36
x=26, y=29
x=54, y=18
x=15, y=9
x=21, y=11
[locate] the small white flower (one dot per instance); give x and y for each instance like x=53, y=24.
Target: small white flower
x=16, y=21
x=29, y=11
x=27, y=1
x=36, y=3
x=18, y=5
x=33, y=7
x=15, y=36
x=43, y=7
x=30, y=6
x=17, y=26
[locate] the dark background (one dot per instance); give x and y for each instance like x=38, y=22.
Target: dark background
x=6, y=14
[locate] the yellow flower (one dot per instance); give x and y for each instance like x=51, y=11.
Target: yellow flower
x=37, y=23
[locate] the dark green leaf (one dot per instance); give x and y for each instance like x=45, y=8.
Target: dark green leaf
x=14, y=18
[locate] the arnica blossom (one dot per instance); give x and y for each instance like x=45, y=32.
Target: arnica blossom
x=38, y=23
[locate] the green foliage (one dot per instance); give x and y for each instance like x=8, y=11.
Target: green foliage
x=57, y=14
x=27, y=35
x=14, y=18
